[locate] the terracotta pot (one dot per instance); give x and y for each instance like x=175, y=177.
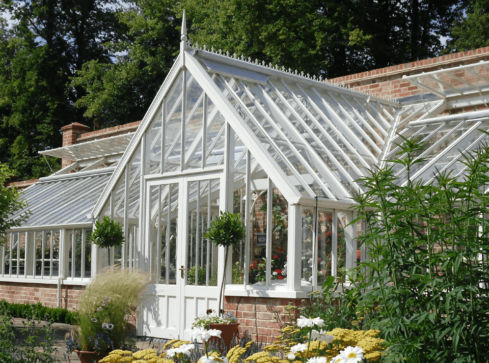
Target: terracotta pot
x=229, y=331
x=88, y=357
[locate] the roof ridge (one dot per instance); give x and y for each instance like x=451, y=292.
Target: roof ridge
x=283, y=70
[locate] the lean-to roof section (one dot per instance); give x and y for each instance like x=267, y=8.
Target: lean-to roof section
x=63, y=200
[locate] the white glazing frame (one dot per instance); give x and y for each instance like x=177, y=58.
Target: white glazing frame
x=70, y=257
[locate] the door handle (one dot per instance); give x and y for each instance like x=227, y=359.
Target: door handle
x=182, y=270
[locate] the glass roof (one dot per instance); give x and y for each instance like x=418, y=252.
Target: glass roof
x=313, y=139
x=64, y=200
x=92, y=149
x=453, y=82
x=444, y=140
x=324, y=137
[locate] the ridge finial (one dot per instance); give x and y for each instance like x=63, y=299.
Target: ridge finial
x=183, y=36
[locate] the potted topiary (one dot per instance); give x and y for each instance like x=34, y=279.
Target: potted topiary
x=227, y=231
x=108, y=233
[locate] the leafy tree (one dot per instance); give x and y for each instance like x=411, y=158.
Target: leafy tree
x=122, y=92
x=473, y=31
x=41, y=48
x=9, y=205
x=326, y=37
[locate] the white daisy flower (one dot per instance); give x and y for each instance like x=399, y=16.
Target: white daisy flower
x=351, y=355
x=317, y=360
x=298, y=348
x=319, y=322
x=304, y=322
x=291, y=356
x=322, y=336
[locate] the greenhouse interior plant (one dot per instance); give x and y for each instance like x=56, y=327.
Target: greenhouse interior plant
x=105, y=309
x=226, y=230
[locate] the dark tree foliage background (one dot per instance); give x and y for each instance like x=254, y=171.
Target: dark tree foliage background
x=101, y=62
x=41, y=48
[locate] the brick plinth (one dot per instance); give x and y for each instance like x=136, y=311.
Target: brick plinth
x=257, y=316
x=46, y=294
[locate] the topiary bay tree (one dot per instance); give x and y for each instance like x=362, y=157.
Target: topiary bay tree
x=226, y=231
x=108, y=233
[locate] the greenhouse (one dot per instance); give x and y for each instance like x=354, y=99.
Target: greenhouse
x=224, y=133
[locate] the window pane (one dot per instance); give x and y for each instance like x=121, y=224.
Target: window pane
x=341, y=245
x=258, y=227
x=239, y=249
x=88, y=254
x=78, y=252
x=202, y=255
x=39, y=245
x=325, y=244
x=279, y=237
x=169, y=237
x=307, y=252
x=55, y=249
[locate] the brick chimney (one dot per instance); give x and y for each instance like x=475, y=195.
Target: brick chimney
x=70, y=133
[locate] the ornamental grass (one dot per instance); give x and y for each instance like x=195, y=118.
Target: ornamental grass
x=108, y=303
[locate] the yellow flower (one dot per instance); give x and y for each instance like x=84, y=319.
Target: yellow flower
x=165, y=360
x=170, y=343
x=179, y=343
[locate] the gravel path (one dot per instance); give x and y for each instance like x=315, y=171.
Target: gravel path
x=63, y=330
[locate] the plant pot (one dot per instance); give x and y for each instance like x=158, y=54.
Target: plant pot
x=88, y=357
x=229, y=331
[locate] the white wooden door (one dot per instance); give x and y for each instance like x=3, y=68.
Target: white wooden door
x=183, y=264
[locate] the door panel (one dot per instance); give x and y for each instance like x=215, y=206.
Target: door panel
x=160, y=319
x=183, y=265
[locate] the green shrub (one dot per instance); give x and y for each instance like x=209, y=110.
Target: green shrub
x=38, y=311
x=108, y=233
x=36, y=344
x=428, y=275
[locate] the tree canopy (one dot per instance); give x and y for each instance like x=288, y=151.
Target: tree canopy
x=100, y=62
x=10, y=203
x=42, y=47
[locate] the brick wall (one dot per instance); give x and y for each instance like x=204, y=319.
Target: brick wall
x=258, y=316
x=22, y=184
x=108, y=132
x=46, y=294
x=70, y=134
x=388, y=81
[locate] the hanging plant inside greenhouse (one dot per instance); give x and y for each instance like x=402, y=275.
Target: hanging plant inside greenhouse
x=108, y=233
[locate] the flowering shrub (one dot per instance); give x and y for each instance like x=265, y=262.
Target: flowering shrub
x=204, y=321
x=330, y=346
x=178, y=351
x=299, y=343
